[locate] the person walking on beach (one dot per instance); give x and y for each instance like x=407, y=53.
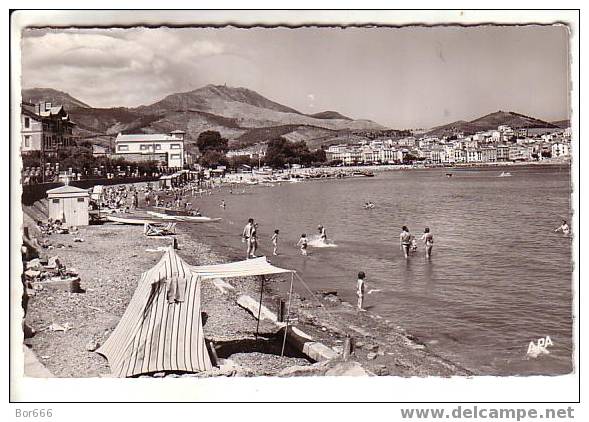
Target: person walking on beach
x=428, y=239
x=275, y=242
x=322, y=234
x=405, y=240
x=248, y=236
x=564, y=228
x=303, y=244
x=147, y=198
x=360, y=290
x=135, y=200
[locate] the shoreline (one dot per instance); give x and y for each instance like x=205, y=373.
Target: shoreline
x=110, y=276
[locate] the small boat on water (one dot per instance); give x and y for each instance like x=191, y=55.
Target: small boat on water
x=505, y=174
x=130, y=220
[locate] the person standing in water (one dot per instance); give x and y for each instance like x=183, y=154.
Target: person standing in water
x=254, y=240
x=322, y=234
x=246, y=236
x=564, y=228
x=223, y=205
x=405, y=241
x=275, y=242
x=428, y=239
x=303, y=244
x=360, y=290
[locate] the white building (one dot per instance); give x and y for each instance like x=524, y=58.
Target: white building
x=559, y=149
x=166, y=148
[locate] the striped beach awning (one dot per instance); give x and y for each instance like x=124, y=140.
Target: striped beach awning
x=250, y=267
x=161, y=330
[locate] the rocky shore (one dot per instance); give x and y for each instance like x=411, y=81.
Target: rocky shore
x=109, y=263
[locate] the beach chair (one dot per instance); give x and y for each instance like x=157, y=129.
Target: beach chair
x=153, y=230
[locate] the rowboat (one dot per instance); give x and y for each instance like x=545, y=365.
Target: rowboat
x=163, y=216
x=197, y=219
x=127, y=220
x=187, y=218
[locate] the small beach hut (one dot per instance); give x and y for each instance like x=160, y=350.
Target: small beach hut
x=162, y=330
x=69, y=204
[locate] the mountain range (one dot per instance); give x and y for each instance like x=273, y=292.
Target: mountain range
x=491, y=121
x=245, y=118
x=241, y=115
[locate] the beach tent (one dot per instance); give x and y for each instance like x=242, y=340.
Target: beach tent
x=161, y=330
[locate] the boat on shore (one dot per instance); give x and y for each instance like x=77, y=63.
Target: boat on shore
x=175, y=211
x=188, y=218
x=130, y=220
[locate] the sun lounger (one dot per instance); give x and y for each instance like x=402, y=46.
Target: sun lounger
x=154, y=230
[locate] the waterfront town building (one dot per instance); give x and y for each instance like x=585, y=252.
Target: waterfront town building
x=252, y=152
x=45, y=127
x=502, y=145
x=560, y=149
x=167, y=149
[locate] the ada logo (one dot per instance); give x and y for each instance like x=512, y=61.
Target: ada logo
x=539, y=348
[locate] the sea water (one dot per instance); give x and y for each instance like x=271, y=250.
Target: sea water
x=499, y=277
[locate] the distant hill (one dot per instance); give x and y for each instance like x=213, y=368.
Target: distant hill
x=329, y=115
x=563, y=124
x=241, y=115
x=37, y=95
x=490, y=122
x=209, y=97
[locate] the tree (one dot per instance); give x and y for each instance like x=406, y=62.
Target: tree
x=211, y=159
x=235, y=162
x=281, y=152
x=211, y=140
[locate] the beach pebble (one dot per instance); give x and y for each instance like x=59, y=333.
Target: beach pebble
x=359, y=344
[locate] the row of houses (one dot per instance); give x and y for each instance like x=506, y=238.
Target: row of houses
x=504, y=144
x=447, y=154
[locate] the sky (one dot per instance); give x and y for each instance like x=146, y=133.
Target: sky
x=409, y=77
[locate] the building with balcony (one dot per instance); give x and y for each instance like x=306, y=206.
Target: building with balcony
x=45, y=127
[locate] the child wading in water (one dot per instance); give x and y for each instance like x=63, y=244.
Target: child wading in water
x=275, y=241
x=303, y=244
x=360, y=291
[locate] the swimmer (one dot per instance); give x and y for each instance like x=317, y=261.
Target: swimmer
x=405, y=240
x=322, y=234
x=303, y=244
x=275, y=242
x=564, y=228
x=428, y=239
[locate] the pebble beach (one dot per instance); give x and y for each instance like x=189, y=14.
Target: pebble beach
x=109, y=263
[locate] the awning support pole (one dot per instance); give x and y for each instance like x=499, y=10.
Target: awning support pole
x=260, y=307
x=287, y=314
